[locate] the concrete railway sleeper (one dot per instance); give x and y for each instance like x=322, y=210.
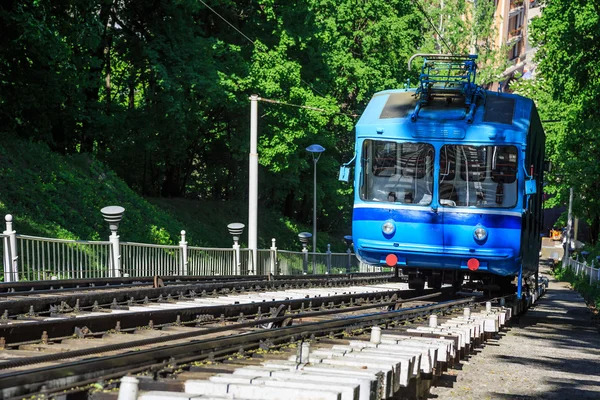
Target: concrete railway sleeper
x=30, y=287
x=226, y=308
x=44, y=302
x=398, y=363
x=53, y=377
x=407, y=368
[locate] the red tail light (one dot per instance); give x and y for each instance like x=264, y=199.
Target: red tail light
x=473, y=264
x=391, y=260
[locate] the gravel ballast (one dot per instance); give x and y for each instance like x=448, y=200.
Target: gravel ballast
x=550, y=352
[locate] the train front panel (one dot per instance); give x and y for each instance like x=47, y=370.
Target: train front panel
x=435, y=205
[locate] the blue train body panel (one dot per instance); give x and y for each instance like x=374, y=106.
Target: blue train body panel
x=443, y=180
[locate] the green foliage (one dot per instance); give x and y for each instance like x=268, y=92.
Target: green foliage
x=158, y=91
x=61, y=196
x=581, y=283
x=568, y=93
x=460, y=27
x=56, y=196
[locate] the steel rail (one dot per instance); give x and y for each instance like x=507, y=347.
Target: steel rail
x=201, y=332
x=38, y=287
x=95, y=367
x=32, y=331
x=23, y=305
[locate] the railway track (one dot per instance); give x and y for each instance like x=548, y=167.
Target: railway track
x=148, y=347
x=56, y=286
x=175, y=338
x=26, y=330
x=43, y=301
x=23, y=341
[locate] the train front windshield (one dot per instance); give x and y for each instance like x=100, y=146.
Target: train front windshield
x=397, y=172
x=479, y=176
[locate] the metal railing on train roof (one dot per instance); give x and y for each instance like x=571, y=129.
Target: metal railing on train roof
x=32, y=258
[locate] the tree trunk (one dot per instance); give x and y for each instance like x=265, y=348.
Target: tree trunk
x=171, y=186
x=95, y=73
x=595, y=230
x=288, y=206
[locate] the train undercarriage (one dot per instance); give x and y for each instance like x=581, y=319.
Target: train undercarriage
x=460, y=280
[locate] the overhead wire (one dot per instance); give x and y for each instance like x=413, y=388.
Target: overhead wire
x=253, y=43
x=227, y=22
x=307, y=107
x=418, y=4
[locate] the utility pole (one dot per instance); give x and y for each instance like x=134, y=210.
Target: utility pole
x=569, y=226
x=253, y=182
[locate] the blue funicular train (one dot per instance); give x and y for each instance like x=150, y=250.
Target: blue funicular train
x=448, y=180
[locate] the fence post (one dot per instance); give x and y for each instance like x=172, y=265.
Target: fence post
x=329, y=259
x=11, y=267
x=116, y=247
x=237, y=258
x=304, y=237
x=235, y=230
x=598, y=271
x=184, y=257
x=349, y=263
x=273, y=249
x=252, y=269
x=591, y=272
x=113, y=215
x=305, y=260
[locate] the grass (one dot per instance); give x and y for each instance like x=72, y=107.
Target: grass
x=58, y=196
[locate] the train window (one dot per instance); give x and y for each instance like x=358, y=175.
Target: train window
x=447, y=163
x=397, y=172
x=487, y=176
x=473, y=163
x=384, y=163
x=504, y=164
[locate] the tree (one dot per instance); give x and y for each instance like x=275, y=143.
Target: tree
x=460, y=27
x=568, y=38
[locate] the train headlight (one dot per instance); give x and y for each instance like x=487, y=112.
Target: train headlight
x=480, y=234
x=388, y=227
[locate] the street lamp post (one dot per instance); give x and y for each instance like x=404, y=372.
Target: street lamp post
x=348, y=240
x=315, y=150
x=304, y=236
x=236, y=229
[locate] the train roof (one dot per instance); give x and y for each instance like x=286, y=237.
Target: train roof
x=496, y=116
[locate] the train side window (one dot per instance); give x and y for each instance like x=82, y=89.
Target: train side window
x=504, y=164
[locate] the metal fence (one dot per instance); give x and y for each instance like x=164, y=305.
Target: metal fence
x=38, y=258
x=210, y=261
x=304, y=262
x=42, y=258
x=581, y=268
x=266, y=261
x=141, y=259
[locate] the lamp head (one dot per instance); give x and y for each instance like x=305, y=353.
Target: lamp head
x=304, y=237
x=113, y=215
x=315, y=148
x=236, y=229
x=348, y=240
